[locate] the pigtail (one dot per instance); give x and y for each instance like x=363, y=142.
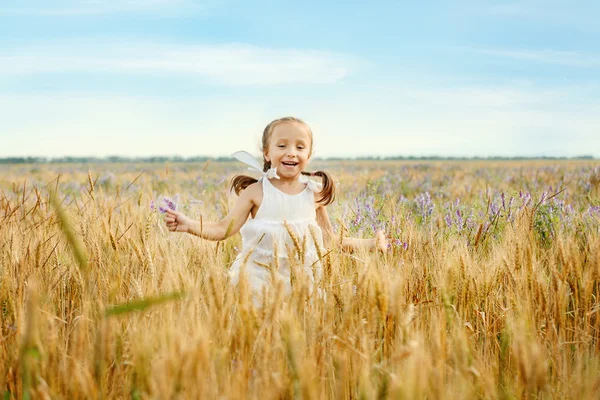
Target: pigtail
x=327, y=194
x=241, y=182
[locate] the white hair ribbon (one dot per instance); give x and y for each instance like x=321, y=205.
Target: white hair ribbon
x=248, y=159
x=312, y=185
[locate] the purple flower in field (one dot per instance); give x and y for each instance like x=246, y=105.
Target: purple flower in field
x=448, y=220
x=397, y=243
x=459, y=220
x=366, y=215
x=425, y=205
x=494, y=209
x=593, y=213
x=510, y=216
x=525, y=198
x=454, y=215
x=565, y=213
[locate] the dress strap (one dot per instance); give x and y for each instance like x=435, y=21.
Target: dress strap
x=248, y=159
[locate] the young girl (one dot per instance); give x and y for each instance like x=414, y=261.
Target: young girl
x=288, y=223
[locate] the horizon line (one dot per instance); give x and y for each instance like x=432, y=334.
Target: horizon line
x=162, y=158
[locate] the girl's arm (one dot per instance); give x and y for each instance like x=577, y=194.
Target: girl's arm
x=379, y=242
x=228, y=226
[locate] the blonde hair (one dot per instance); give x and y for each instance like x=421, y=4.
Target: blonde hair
x=241, y=182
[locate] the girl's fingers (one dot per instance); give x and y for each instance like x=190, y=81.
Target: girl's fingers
x=171, y=213
x=172, y=220
x=171, y=216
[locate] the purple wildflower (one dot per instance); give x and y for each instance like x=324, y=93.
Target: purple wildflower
x=459, y=220
x=525, y=198
x=494, y=209
x=164, y=204
x=170, y=203
x=425, y=205
x=448, y=220
x=593, y=213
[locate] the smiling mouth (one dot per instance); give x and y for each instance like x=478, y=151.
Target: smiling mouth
x=289, y=163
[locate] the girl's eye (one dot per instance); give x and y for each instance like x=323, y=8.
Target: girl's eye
x=300, y=148
x=281, y=146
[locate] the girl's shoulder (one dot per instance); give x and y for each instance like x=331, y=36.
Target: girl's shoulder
x=256, y=185
x=253, y=192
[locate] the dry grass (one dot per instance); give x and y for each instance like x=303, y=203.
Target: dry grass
x=98, y=301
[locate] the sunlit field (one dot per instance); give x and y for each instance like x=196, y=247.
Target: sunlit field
x=490, y=288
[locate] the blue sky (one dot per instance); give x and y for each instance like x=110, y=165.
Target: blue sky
x=183, y=77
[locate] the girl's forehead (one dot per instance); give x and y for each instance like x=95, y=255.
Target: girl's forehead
x=291, y=131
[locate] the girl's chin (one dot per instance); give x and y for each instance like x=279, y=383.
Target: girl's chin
x=287, y=173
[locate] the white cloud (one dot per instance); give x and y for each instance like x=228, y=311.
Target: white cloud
x=67, y=124
x=567, y=58
x=461, y=121
x=402, y=120
x=230, y=64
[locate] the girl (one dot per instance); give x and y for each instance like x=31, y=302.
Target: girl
x=288, y=223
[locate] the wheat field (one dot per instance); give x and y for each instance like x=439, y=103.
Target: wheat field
x=490, y=288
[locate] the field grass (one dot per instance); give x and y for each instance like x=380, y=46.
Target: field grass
x=490, y=288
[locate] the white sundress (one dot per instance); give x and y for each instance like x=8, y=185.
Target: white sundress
x=282, y=241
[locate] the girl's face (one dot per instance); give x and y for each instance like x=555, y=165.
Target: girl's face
x=289, y=149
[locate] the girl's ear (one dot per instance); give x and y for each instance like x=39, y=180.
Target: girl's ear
x=266, y=157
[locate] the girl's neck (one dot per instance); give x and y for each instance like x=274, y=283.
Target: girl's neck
x=288, y=185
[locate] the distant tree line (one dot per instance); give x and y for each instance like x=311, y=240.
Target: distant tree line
x=443, y=158
x=110, y=159
x=177, y=159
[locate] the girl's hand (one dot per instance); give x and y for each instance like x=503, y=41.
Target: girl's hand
x=177, y=222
